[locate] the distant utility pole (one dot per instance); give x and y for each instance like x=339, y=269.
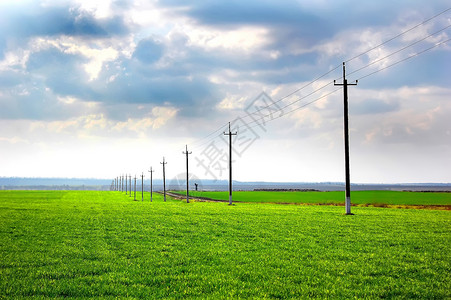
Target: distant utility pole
x=164, y=179
x=230, y=163
x=126, y=180
x=151, y=171
x=142, y=186
x=130, y=194
x=346, y=135
x=135, y=189
x=187, y=176
x=122, y=183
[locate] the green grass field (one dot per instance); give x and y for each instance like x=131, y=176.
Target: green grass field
x=104, y=245
x=357, y=197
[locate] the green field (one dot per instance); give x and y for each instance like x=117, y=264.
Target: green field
x=104, y=245
x=376, y=198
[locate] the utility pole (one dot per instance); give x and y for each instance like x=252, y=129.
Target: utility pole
x=122, y=183
x=135, y=189
x=230, y=163
x=142, y=186
x=164, y=179
x=187, y=174
x=130, y=194
x=151, y=171
x=126, y=180
x=346, y=136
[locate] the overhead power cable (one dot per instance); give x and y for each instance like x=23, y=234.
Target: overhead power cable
x=295, y=109
x=210, y=136
x=407, y=58
x=369, y=50
x=397, y=36
x=311, y=102
x=399, y=50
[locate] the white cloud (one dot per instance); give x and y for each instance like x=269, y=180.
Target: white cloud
x=232, y=102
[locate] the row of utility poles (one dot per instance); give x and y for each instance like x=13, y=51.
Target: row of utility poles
x=120, y=183
x=126, y=181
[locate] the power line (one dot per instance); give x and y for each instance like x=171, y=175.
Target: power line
x=207, y=136
x=297, y=90
x=297, y=108
x=397, y=36
x=372, y=73
x=391, y=54
x=330, y=71
x=404, y=32
x=399, y=50
x=407, y=58
x=281, y=109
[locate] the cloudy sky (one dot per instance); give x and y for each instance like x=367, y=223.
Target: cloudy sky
x=102, y=88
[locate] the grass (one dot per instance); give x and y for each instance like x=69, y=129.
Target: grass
x=104, y=245
x=357, y=197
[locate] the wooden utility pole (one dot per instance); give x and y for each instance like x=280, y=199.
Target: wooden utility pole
x=126, y=182
x=230, y=163
x=346, y=137
x=135, y=189
x=187, y=174
x=164, y=179
x=151, y=171
x=130, y=186
x=142, y=186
